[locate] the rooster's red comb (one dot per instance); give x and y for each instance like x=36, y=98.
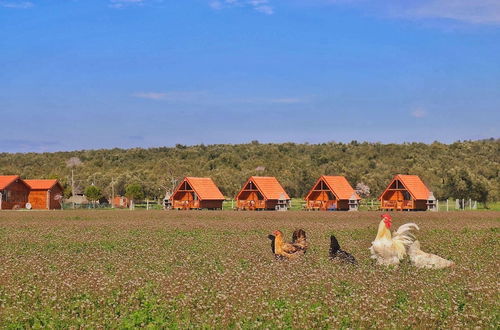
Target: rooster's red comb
x=386, y=216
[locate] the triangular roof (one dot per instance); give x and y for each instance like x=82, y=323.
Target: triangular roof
x=205, y=188
x=415, y=186
x=338, y=185
x=42, y=184
x=269, y=187
x=6, y=180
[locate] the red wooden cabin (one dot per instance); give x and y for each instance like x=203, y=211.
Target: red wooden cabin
x=405, y=193
x=330, y=193
x=13, y=192
x=197, y=193
x=45, y=194
x=261, y=193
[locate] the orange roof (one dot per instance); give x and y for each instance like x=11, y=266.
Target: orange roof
x=42, y=184
x=205, y=188
x=269, y=186
x=6, y=180
x=415, y=186
x=339, y=186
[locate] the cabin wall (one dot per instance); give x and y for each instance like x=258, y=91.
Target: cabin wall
x=211, y=204
x=271, y=204
x=15, y=195
x=121, y=202
x=319, y=200
x=185, y=204
x=55, y=204
x=183, y=196
x=38, y=199
x=319, y=196
x=420, y=205
x=250, y=204
x=250, y=196
x=343, y=205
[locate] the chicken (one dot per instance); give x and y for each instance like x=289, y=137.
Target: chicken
x=421, y=259
x=337, y=252
x=299, y=239
x=294, y=250
x=388, y=250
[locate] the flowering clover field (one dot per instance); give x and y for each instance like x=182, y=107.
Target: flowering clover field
x=215, y=269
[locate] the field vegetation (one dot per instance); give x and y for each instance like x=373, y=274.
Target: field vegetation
x=94, y=269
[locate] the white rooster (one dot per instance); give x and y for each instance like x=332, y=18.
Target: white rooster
x=388, y=249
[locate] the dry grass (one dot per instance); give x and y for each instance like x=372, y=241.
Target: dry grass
x=215, y=269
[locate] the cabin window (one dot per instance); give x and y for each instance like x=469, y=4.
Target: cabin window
x=406, y=195
x=331, y=196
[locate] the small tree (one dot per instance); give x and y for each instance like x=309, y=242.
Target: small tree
x=362, y=190
x=93, y=193
x=134, y=192
x=72, y=163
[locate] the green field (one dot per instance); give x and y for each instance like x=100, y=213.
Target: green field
x=121, y=269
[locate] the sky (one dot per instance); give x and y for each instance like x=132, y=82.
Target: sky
x=92, y=74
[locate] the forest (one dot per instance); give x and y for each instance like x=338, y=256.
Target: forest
x=464, y=169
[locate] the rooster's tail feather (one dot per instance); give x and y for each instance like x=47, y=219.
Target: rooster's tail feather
x=404, y=234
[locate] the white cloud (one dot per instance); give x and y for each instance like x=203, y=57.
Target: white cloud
x=468, y=11
x=125, y=3
x=465, y=11
x=261, y=6
x=419, y=113
x=182, y=96
x=286, y=100
x=203, y=97
x=268, y=10
x=279, y=100
x=17, y=4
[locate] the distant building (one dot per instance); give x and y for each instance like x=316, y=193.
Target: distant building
x=332, y=193
x=45, y=194
x=121, y=202
x=405, y=193
x=197, y=193
x=13, y=192
x=262, y=193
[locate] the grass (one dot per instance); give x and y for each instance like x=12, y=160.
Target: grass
x=210, y=269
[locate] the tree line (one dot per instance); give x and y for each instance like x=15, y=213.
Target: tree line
x=464, y=169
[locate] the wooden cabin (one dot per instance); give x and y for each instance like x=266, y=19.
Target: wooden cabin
x=332, y=193
x=262, y=193
x=405, y=193
x=197, y=193
x=45, y=194
x=120, y=202
x=13, y=192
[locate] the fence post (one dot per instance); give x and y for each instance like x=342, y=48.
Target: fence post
x=447, y=208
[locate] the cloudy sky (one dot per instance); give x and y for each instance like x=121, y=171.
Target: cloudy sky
x=87, y=74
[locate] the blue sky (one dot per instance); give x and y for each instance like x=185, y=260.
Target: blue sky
x=139, y=73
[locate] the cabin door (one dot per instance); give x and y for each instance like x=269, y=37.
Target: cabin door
x=399, y=200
